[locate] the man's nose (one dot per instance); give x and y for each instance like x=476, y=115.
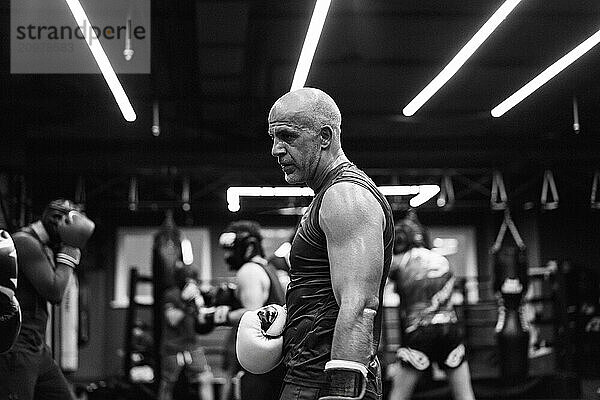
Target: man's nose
x=277, y=149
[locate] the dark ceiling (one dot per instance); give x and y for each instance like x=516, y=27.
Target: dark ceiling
x=217, y=66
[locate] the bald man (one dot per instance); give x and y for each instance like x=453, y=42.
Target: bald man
x=340, y=256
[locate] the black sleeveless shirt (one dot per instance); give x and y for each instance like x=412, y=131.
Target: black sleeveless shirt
x=34, y=307
x=276, y=293
x=311, y=305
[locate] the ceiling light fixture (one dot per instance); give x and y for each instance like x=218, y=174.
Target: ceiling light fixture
x=545, y=76
x=460, y=58
x=422, y=192
x=102, y=60
x=310, y=43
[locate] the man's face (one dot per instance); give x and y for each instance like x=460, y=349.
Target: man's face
x=295, y=145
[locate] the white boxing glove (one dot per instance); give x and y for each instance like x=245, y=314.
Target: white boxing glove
x=259, y=344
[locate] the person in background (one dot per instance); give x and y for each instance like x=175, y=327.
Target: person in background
x=430, y=328
x=257, y=285
x=49, y=250
x=280, y=260
x=181, y=350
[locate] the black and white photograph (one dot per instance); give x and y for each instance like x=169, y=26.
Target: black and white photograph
x=299, y=199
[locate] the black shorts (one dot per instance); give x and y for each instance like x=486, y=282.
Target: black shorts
x=193, y=363
x=439, y=343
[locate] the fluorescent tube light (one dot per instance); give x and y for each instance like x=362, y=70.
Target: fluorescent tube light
x=545, y=76
x=422, y=192
x=461, y=57
x=235, y=192
x=102, y=60
x=310, y=43
x=426, y=192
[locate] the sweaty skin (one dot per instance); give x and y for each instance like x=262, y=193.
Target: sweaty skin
x=353, y=222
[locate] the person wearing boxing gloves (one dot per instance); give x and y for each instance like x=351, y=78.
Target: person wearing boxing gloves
x=48, y=251
x=257, y=285
x=221, y=308
x=180, y=346
x=10, y=311
x=339, y=259
x=430, y=329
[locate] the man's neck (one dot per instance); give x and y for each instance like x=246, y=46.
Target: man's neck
x=322, y=171
x=41, y=232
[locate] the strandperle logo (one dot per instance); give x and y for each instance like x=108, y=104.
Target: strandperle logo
x=46, y=39
x=37, y=32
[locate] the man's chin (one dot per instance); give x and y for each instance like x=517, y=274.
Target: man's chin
x=292, y=179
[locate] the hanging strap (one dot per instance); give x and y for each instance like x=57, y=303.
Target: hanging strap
x=498, y=198
x=507, y=222
x=595, y=204
x=80, y=190
x=549, y=183
x=446, y=197
x=576, y=126
x=133, y=194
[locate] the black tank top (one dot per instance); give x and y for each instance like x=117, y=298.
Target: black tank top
x=424, y=282
x=34, y=307
x=276, y=293
x=311, y=305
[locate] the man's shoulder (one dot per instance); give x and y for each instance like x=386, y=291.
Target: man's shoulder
x=251, y=269
x=348, y=196
x=425, y=253
x=26, y=240
x=430, y=257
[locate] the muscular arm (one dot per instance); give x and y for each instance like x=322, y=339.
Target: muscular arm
x=50, y=283
x=353, y=223
x=253, y=289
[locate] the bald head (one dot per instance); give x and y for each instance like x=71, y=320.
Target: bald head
x=308, y=108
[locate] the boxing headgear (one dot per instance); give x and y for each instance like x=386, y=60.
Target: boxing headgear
x=66, y=223
x=243, y=241
x=409, y=233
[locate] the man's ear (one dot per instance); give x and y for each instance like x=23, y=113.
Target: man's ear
x=326, y=134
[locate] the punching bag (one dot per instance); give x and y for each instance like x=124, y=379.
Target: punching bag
x=510, y=283
x=166, y=253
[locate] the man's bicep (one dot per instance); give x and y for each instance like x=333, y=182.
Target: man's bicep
x=353, y=222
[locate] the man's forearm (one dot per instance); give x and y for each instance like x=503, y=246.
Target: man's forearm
x=53, y=288
x=353, y=335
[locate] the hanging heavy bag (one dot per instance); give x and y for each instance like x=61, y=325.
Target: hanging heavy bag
x=510, y=283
